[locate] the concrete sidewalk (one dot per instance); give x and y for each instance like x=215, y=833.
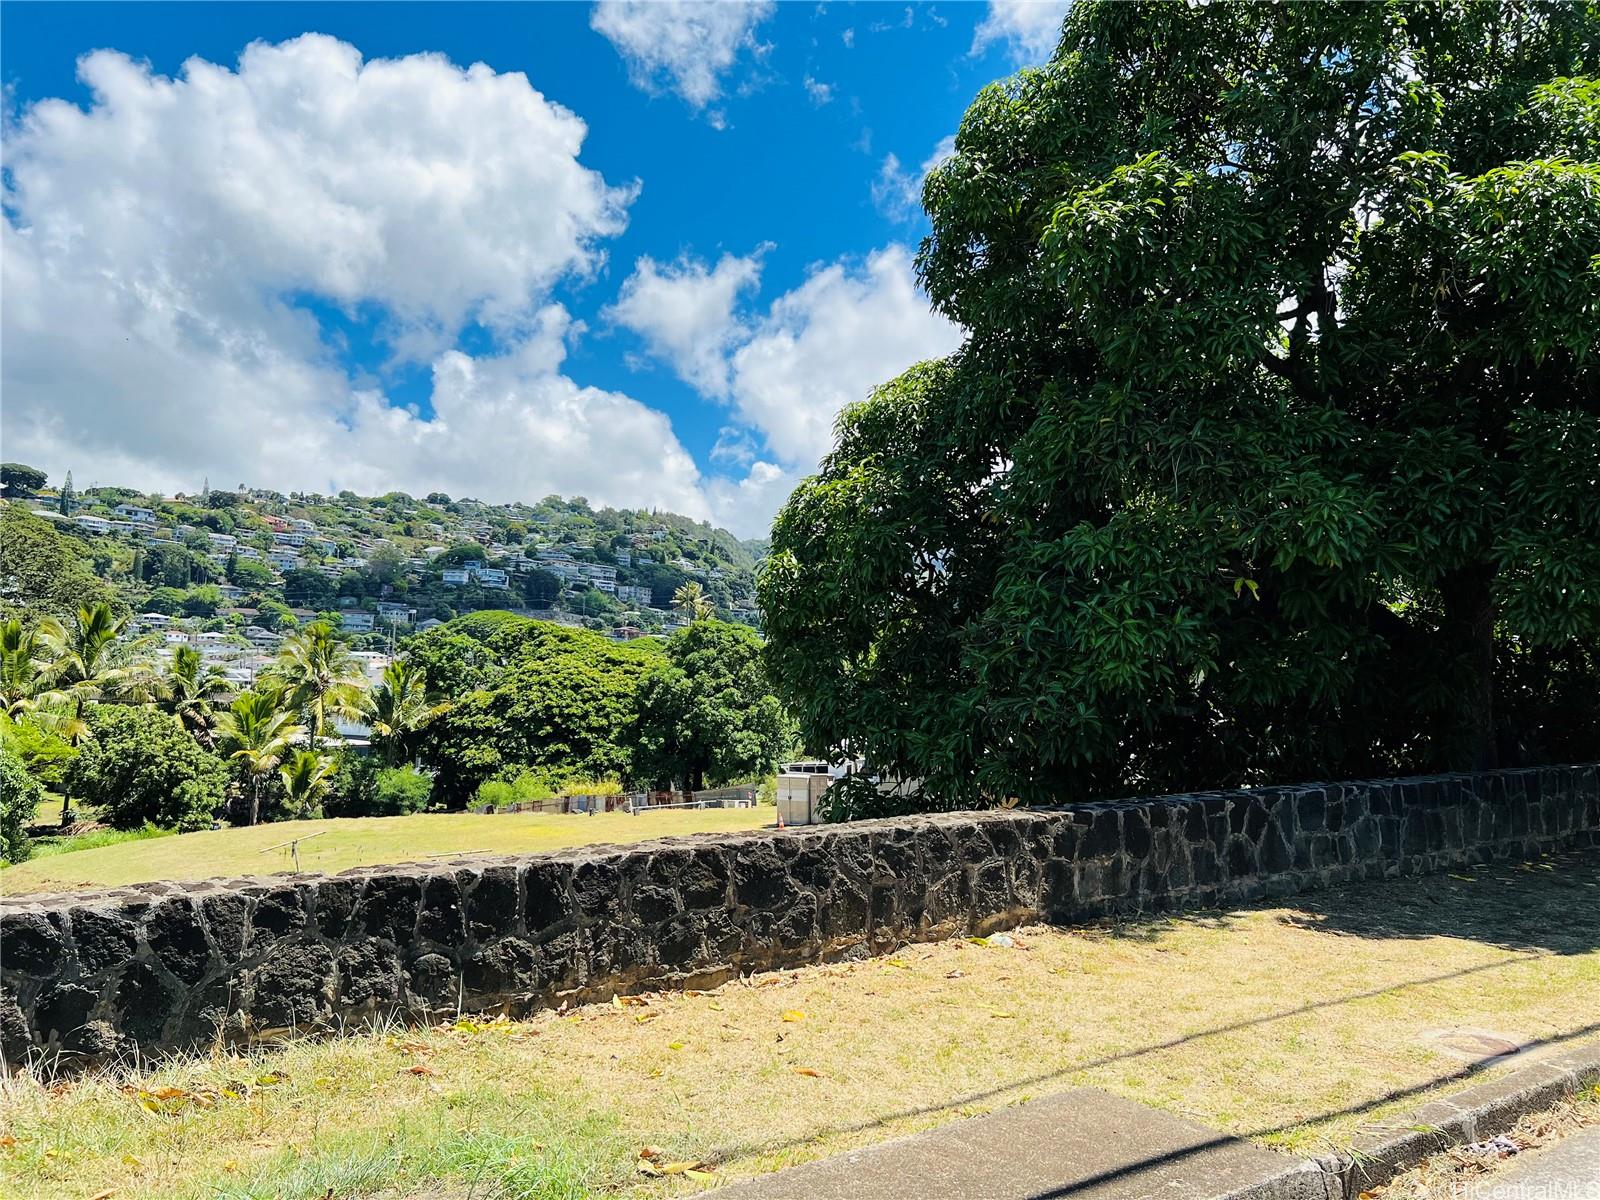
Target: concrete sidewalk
x=1090, y=1145
x=1084, y=1144
x=1568, y=1170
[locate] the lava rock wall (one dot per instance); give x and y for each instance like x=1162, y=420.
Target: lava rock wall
x=89, y=978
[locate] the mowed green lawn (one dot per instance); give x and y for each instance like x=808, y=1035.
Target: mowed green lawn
x=358, y=841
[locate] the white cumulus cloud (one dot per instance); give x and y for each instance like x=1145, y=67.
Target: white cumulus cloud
x=684, y=311
x=682, y=46
x=787, y=371
x=896, y=193
x=828, y=343
x=161, y=248
x=1029, y=29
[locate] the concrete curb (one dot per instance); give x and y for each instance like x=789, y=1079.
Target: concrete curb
x=1085, y=1144
x=1478, y=1112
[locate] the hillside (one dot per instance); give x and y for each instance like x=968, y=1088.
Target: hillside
x=256, y=559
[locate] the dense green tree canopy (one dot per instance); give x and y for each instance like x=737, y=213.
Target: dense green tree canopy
x=173, y=566
x=43, y=571
x=305, y=588
x=707, y=714
x=525, y=694
x=460, y=554
x=1274, y=447
x=139, y=765
x=20, y=479
x=541, y=587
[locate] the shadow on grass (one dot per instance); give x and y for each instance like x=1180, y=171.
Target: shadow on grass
x=1552, y=906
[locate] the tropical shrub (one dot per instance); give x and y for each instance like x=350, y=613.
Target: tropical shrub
x=43, y=751
x=20, y=796
x=525, y=787
x=401, y=790
x=137, y=765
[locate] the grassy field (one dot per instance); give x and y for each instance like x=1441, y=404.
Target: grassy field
x=1293, y=1023
x=357, y=841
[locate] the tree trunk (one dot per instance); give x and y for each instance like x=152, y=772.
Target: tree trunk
x=66, y=790
x=1469, y=629
x=255, y=798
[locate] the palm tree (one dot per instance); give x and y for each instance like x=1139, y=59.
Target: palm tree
x=25, y=680
x=691, y=600
x=398, y=708
x=189, y=693
x=306, y=775
x=257, y=730
x=82, y=670
x=319, y=677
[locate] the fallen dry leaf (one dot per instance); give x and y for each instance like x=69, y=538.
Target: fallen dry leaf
x=809, y=1072
x=794, y=1014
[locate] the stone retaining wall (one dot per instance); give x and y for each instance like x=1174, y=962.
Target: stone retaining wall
x=88, y=977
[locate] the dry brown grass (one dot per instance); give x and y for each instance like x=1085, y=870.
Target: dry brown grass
x=1295, y=1024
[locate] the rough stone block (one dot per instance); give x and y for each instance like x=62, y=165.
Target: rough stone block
x=104, y=941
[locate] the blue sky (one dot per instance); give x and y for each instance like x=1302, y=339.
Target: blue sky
x=691, y=291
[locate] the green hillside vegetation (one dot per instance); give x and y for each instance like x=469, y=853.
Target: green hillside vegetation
x=209, y=558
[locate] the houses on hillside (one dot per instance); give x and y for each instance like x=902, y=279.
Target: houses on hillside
x=392, y=545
